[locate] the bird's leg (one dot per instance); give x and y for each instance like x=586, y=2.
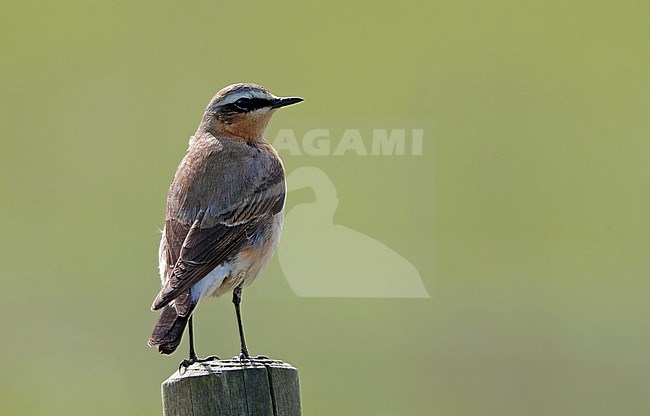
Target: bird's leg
x=236, y=300
x=193, y=358
x=190, y=329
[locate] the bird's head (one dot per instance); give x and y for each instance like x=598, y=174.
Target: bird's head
x=242, y=111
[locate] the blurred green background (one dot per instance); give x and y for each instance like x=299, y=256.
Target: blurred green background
x=526, y=215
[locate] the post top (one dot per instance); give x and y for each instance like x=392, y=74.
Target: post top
x=235, y=364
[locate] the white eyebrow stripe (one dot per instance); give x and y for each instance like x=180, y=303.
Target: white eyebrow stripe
x=231, y=98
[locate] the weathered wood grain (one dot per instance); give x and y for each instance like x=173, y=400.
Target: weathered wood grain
x=260, y=387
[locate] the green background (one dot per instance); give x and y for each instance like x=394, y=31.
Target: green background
x=526, y=215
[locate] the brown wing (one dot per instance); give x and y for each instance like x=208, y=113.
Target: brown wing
x=203, y=249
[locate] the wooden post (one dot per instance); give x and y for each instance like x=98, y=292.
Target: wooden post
x=259, y=387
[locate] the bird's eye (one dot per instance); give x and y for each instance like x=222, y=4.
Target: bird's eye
x=244, y=104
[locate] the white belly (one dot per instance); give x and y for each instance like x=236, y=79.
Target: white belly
x=244, y=268
x=212, y=282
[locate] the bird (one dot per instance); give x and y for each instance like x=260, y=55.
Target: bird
x=224, y=213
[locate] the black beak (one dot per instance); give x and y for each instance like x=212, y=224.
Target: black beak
x=282, y=102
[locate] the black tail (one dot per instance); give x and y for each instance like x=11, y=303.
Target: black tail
x=169, y=329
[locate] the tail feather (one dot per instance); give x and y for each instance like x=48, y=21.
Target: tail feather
x=168, y=332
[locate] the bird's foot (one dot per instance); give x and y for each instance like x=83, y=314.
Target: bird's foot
x=244, y=356
x=186, y=363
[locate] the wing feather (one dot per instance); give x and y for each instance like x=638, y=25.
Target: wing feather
x=200, y=249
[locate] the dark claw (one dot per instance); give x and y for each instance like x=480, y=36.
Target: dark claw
x=186, y=363
x=244, y=355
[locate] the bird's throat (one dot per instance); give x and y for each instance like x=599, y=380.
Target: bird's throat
x=248, y=127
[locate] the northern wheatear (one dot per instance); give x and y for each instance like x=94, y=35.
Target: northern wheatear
x=225, y=209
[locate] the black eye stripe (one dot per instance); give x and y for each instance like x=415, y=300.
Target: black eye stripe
x=248, y=104
x=243, y=102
